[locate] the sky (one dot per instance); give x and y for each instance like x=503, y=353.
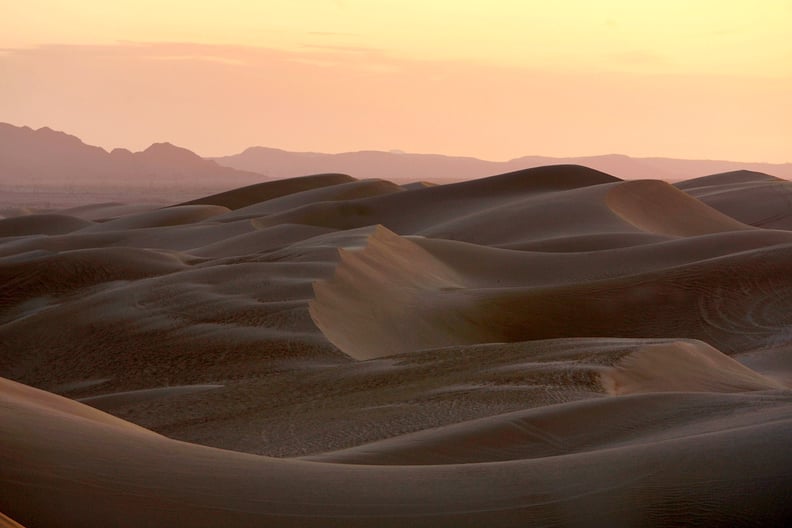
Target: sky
x=492, y=79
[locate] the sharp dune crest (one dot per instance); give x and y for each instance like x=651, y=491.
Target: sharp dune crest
x=682, y=367
x=658, y=207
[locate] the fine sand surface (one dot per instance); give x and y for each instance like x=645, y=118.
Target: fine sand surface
x=548, y=347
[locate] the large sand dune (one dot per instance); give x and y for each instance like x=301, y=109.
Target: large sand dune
x=547, y=347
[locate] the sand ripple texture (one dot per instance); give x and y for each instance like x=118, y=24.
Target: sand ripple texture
x=548, y=347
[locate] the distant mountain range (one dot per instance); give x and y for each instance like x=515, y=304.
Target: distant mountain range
x=402, y=167
x=47, y=158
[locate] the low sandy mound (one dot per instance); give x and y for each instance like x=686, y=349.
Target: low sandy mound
x=569, y=428
x=659, y=207
x=106, y=211
x=60, y=465
x=15, y=394
x=682, y=366
x=54, y=275
x=331, y=193
x=268, y=239
x=178, y=238
x=115, y=400
x=41, y=224
x=260, y=192
x=584, y=242
x=170, y=216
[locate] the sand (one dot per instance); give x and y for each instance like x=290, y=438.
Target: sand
x=548, y=347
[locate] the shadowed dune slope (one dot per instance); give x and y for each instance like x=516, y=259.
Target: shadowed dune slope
x=71, y=271
x=170, y=216
x=726, y=178
x=750, y=197
x=329, y=193
x=41, y=224
x=259, y=192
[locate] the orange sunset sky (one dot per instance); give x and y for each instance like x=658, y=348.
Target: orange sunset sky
x=491, y=79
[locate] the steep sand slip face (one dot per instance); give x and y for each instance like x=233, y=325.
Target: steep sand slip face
x=690, y=366
x=377, y=305
x=260, y=192
x=158, y=482
x=390, y=262
x=658, y=207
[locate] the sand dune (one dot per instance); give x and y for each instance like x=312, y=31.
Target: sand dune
x=658, y=207
x=169, y=479
x=737, y=193
x=377, y=305
x=330, y=193
x=259, y=192
x=549, y=347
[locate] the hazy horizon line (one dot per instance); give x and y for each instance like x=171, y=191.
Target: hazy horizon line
x=394, y=151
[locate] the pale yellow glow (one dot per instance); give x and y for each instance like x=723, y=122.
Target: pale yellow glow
x=668, y=36
x=488, y=78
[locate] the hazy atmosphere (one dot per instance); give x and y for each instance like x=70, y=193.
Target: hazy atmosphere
x=370, y=264
x=495, y=80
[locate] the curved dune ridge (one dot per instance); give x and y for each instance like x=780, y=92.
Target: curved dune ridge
x=376, y=305
x=547, y=347
x=6, y=522
x=658, y=207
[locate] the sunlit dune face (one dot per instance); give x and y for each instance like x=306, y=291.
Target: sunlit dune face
x=699, y=79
